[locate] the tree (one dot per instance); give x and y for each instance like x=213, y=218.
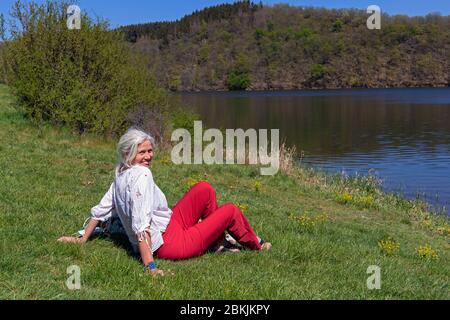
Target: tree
x=87, y=79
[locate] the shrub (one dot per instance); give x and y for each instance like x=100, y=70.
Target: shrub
x=87, y=79
x=259, y=34
x=318, y=71
x=238, y=80
x=304, y=33
x=337, y=26
x=184, y=118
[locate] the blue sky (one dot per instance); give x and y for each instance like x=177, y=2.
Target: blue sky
x=120, y=12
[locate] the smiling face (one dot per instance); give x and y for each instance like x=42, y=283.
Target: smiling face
x=144, y=154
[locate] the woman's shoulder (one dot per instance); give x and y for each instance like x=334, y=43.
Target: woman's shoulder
x=140, y=170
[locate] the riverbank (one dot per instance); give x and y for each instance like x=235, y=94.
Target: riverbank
x=326, y=230
x=261, y=88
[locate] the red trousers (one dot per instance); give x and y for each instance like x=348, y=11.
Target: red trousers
x=185, y=237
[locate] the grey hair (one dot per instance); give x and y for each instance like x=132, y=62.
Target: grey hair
x=128, y=146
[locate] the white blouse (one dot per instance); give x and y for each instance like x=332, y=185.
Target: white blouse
x=139, y=203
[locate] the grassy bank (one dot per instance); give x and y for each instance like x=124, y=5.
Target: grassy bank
x=326, y=231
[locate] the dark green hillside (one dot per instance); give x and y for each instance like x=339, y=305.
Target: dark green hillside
x=250, y=46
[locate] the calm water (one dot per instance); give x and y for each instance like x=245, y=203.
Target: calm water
x=401, y=135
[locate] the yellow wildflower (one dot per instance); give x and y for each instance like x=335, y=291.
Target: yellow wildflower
x=427, y=252
x=389, y=246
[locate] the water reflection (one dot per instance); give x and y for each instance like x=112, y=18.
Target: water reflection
x=404, y=134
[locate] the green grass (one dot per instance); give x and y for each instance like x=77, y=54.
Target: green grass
x=325, y=230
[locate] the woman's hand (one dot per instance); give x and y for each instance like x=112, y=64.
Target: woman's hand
x=87, y=233
x=71, y=240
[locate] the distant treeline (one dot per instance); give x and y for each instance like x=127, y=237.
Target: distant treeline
x=164, y=30
x=250, y=46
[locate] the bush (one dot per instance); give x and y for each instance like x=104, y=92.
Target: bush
x=318, y=71
x=337, y=26
x=87, y=79
x=238, y=80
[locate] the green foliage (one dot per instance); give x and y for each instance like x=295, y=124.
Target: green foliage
x=270, y=26
x=337, y=26
x=225, y=36
x=318, y=71
x=203, y=54
x=283, y=43
x=182, y=118
x=355, y=82
x=259, y=34
x=304, y=33
x=174, y=80
x=238, y=80
x=238, y=77
x=87, y=79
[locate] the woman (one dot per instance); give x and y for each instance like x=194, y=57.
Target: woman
x=153, y=229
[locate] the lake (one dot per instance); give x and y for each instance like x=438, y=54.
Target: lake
x=400, y=135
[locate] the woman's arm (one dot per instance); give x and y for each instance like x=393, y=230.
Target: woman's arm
x=142, y=195
x=146, y=254
x=87, y=233
x=100, y=212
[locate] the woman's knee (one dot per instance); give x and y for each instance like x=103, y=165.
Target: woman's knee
x=231, y=209
x=204, y=185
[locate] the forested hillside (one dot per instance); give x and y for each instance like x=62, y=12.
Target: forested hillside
x=251, y=46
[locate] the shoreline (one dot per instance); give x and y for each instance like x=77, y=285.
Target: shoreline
x=210, y=91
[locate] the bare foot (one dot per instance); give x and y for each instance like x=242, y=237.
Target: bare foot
x=230, y=239
x=266, y=246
